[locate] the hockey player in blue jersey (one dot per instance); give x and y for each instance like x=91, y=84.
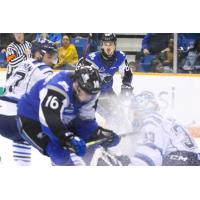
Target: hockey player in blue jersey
x=20, y=82
x=58, y=115
x=109, y=61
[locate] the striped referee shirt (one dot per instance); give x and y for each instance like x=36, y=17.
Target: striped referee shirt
x=15, y=55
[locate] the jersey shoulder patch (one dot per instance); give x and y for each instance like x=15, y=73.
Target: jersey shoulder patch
x=92, y=56
x=120, y=55
x=60, y=81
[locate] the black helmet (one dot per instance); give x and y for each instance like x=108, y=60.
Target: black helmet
x=109, y=37
x=45, y=46
x=88, y=79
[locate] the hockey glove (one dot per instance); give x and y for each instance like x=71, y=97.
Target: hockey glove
x=73, y=143
x=126, y=90
x=57, y=154
x=111, y=138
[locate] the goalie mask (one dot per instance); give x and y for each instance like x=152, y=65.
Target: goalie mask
x=145, y=102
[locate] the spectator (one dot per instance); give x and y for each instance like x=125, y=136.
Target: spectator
x=19, y=50
x=192, y=61
x=152, y=45
x=167, y=54
x=186, y=40
x=185, y=43
x=67, y=54
x=53, y=37
x=158, y=67
x=164, y=61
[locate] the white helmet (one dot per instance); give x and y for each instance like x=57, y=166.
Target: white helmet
x=145, y=102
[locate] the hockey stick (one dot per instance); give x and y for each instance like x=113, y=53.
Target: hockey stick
x=107, y=157
x=89, y=144
x=86, y=50
x=100, y=141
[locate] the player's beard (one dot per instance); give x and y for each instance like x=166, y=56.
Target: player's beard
x=106, y=56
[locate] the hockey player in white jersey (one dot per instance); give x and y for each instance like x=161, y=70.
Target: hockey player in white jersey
x=19, y=83
x=160, y=141
x=32, y=70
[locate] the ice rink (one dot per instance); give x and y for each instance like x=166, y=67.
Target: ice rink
x=175, y=95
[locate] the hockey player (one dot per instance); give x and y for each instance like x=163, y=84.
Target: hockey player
x=160, y=141
x=19, y=83
x=109, y=61
x=58, y=115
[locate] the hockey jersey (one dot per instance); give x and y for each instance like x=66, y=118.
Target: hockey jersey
x=52, y=103
x=107, y=68
x=20, y=82
x=157, y=137
x=25, y=76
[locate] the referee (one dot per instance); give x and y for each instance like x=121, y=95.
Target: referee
x=16, y=52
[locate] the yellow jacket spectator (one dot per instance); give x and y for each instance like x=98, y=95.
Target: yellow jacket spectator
x=67, y=54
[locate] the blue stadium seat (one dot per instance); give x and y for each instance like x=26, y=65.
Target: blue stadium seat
x=189, y=43
x=80, y=44
x=3, y=62
x=145, y=63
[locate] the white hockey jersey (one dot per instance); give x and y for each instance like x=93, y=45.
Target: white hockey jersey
x=25, y=76
x=157, y=137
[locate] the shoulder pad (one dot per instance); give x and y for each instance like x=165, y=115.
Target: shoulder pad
x=120, y=54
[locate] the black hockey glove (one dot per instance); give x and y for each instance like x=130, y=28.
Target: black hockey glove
x=111, y=138
x=126, y=90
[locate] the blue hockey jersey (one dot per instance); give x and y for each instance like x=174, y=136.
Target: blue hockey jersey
x=52, y=103
x=107, y=68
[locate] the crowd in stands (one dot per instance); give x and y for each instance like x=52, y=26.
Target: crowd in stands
x=156, y=54
x=71, y=46
x=157, y=51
